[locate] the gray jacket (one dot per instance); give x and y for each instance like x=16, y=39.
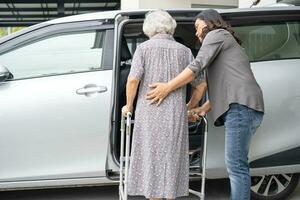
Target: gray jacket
x=229, y=76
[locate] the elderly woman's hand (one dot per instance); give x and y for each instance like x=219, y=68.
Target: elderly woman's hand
x=199, y=110
x=159, y=91
x=126, y=109
x=192, y=116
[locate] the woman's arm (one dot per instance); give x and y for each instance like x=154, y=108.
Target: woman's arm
x=133, y=80
x=202, y=110
x=193, y=115
x=211, y=46
x=197, y=94
x=131, y=90
x=161, y=90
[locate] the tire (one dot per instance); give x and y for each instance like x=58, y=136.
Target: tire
x=274, y=186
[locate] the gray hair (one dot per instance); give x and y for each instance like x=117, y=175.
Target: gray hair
x=159, y=21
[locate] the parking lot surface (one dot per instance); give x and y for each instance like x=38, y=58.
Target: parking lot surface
x=215, y=190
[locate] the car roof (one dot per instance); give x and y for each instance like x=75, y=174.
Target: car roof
x=112, y=14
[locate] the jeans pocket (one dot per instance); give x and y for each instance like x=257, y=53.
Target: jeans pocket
x=232, y=111
x=256, y=119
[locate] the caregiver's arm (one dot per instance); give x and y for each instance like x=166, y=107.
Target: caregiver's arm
x=161, y=90
x=197, y=94
x=202, y=110
x=212, y=45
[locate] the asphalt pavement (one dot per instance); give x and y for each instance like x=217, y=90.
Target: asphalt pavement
x=215, y=190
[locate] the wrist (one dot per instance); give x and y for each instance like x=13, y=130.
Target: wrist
x=202, y=113
x=169, y=87
x=129, y=107
x=189, y=106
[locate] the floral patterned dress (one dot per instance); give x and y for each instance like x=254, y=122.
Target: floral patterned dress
x=159, y=165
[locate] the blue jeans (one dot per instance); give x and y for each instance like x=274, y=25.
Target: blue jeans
x=240, y=124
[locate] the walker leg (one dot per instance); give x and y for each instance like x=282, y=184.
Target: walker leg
x=123, y=179
x=201, y=194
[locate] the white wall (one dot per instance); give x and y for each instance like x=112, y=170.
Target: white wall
x=248, y=3
x=129, y=4
x=165, y=3
x=154, y=4
x=233, y=3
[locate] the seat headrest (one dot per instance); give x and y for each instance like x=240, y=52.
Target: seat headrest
x=125, y=53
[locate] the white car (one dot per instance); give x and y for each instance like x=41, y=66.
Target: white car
x=63, y=85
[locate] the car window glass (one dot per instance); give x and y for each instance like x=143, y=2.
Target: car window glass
x=56, y=54
x=134, y=42
x=270, y=41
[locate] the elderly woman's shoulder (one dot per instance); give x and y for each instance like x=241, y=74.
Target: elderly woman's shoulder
x=150, y=44
x=182, y=47
x=145, y=44
x=142, y=45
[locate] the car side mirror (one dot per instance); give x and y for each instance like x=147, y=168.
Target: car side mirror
x=5, y=74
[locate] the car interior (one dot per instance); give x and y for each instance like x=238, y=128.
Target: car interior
x=132, y=36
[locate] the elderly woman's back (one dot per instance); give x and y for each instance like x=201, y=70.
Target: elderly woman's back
x=159, y=165
x=159, y=59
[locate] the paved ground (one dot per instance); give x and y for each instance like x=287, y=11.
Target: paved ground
x=216, y=190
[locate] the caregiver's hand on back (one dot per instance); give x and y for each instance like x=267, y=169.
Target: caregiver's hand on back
x=159, y=91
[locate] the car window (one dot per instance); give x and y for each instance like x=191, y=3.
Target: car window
x=270, y=41
x=56, y=54
x=134, y=42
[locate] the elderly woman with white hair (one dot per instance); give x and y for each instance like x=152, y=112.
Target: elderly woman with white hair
x=159, y=165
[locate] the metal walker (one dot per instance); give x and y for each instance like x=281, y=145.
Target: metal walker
x=123, y=178
x=202, y=165
x=125, y=158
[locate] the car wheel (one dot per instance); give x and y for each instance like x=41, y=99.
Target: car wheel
x=274, y=186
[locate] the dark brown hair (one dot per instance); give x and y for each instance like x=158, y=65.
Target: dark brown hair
x=214, y=21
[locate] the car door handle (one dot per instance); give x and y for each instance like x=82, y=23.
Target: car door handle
x=91, y=88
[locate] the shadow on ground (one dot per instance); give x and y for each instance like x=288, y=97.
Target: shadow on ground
x=215, y=190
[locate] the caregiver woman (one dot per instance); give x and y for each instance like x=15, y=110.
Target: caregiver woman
x=235, y=97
